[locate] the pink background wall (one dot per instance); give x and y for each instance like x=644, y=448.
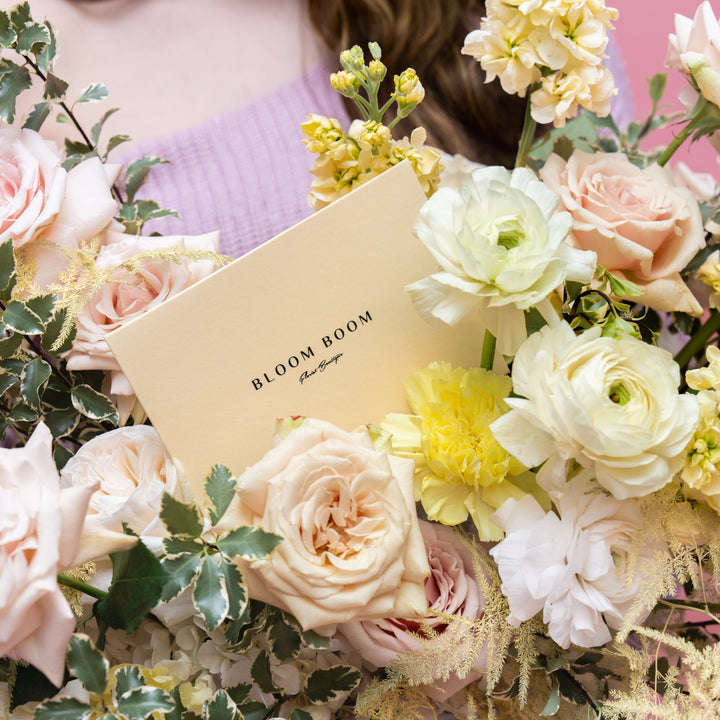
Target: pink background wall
x=641, y=34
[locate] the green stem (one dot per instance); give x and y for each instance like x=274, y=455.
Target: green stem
x=488, y=351
x=710, y=609
x=528, y=133
x=699, y=340
x=71, y=582
x=682, y=136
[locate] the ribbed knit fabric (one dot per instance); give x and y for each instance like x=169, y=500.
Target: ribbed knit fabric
x=245, y=172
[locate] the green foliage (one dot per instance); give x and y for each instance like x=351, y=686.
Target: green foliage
x=136, y=588
x=324, y=685
x=261, y=673
x=220, y=707
x=210, y=594
x=249, y=543
x=14, y=79
x=92, y=93
x=137, y=173
x=220, y=490
x=180, y=519
x=93, y=404
x=141, y=702
x=87, y=664
x=67, y=708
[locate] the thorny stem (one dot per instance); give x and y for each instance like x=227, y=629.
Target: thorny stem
x=115, y=189
x=677, y=141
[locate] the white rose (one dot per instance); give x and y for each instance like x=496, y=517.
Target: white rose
x=610, y=404
x=352, y=546
x=500, y=244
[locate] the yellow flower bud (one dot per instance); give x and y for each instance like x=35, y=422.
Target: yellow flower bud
x=321, y=133
x=375, y=134
x=408, y=91
x=376, y=70
x=344, y=82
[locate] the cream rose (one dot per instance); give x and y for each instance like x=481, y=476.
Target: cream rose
x=610, y=404
x=640, y=225
x=128, y=296
x=352, y=547
x=131, y=470
x=40, y=527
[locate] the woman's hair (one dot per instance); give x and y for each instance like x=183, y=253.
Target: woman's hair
x=461, y=113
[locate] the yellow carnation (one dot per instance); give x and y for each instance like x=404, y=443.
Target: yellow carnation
x=460, y=469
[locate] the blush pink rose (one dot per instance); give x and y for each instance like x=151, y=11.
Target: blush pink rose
x=642, y=226
x=451, y=588
x=128, y=296
x=40, y=528
x=352, y=547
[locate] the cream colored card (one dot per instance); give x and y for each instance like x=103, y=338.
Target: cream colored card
x=315, y=322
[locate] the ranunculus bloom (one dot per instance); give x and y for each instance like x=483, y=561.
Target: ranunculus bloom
x=352, y=547
x=500, y=244
x=694, y=49
x=610, y=404
x=127, y=296
x=451, y=589
x=131, y=469
x=641, y=226
x=571, y=565
x=40, y=528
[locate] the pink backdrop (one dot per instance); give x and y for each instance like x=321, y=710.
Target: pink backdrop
x=641, y=34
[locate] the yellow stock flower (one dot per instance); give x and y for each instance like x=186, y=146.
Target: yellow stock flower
x=460, y=469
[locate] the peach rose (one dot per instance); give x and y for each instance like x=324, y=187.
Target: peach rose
x=641, y=226
x=128, y=296
x=40, y=527
x=352, y=547
x=451, y=589
x=131, y=469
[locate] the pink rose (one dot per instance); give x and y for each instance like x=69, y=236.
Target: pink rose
x=451, y=589
x=352, y=547
x=40, y=527
x=641, y=226
x=128, y=296
x=43, y=207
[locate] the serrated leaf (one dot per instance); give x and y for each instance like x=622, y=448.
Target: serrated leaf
x=137, y=584
x=253, y=711
x=220, y=491
x=46, y=58
x=176, y=545
x=61, y=421
x=219, y=707
x=315, y=640
x=33, y=379
x=60, y=456
x=181, y=571
x=54, y=329
x=55, y=88
x=10, y=345
x=114, y=141
x=327, y=684
x=87, y=664
x=98, y=126
x=298, y=714
x=553, y=702
x=239, y=693
x=180, y=518
x=20, y=318
x=249, y=543
x=76, y=147
x=93, y=404
x=127, y=678
x=92, y=93
x=22, y=413
x=569, y=689
x=235, y=588
x=209, y=594
x=143, y=701
x=284, y=638
x=43, y=306
x=32, y=38
x=19, y=15
x=261, y=673
x=7, y=268
x=7, y=380
x=137, y=173
x=13, y=80
x=37, y=116
x=67, y=708
x=7, y=31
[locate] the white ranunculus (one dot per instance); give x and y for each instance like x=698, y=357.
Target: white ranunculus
x=501, y=247
x=610, y=404
x=570, y=565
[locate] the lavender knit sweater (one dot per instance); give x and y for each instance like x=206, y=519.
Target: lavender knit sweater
x=245, y=172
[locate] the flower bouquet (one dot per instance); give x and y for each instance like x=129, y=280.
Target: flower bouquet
x=536, y=535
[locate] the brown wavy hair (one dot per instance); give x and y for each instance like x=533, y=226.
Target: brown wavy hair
x=461, y=113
